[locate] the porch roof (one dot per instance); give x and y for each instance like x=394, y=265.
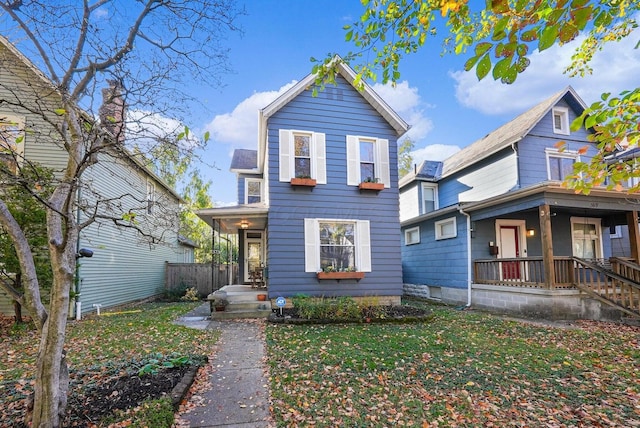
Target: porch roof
x=232, y=218
x=600, y=202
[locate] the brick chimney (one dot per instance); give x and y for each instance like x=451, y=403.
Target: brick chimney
x=112, y=111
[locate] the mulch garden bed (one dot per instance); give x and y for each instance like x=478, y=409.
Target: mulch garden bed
x=398, y=314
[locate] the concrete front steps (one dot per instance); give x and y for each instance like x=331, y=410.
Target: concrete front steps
x=243, y=303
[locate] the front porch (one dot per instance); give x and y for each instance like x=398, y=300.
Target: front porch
x=613, y=282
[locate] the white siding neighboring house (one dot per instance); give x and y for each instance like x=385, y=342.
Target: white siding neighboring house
x=128, y=263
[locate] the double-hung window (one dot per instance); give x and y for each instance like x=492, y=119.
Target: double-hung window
x=337, y=245
x=11, y=141
x=302, y=155
x=367, y=160
x=560, y=164
x=253, y=191
x=429, y=197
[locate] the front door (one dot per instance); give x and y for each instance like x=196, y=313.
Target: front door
x=253, y=253
x=511, y=245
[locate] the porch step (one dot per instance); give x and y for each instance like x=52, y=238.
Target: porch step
x=243, y=310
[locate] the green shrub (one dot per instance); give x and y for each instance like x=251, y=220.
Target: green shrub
x=175, y=294
x=330, y=309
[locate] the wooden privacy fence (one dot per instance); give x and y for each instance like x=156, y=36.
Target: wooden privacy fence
x=203, y=276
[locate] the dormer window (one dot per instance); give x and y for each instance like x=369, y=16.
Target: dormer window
x=253, y=191
x=560, y=120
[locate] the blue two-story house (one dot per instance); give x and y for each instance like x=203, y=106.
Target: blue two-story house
x=492, y=226
x=317, y=209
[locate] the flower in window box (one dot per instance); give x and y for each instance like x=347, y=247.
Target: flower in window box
x=371, y=184
x=303, y=180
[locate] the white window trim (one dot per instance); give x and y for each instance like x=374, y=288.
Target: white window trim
x=408, y=233
x=312, y=243
x=381, y=160
x=151, y=195
x=555, y=153
x=246, y=188
x=437, y=225
x=18, y=151
x=286, y=152
x=434, y=187
x=564, y=120
x=598, y=224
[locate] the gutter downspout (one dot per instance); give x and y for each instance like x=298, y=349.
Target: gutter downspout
x=468, y=256
x=515, y=152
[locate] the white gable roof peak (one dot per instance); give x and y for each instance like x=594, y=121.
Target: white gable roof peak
x=398, y=124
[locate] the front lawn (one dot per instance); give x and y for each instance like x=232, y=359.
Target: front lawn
x=109, y=350
x=463, y=368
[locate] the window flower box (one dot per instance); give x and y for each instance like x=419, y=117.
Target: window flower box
x=370, y=185
x=303, y=182
x=340, y=275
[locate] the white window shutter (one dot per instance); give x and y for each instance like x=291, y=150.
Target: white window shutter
x=320, y=158
x=311, y=245
x=383, y=173
x=364, y=246
x=285, y=154
x=353, y=161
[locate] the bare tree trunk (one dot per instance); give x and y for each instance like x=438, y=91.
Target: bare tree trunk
x=50, y=393
x=17, y=312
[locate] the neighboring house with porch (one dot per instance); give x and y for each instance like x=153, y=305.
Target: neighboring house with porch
x=317, y=209
x=492, y=226
x=126, y=265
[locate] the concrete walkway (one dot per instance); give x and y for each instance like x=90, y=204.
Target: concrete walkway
x=239, y=394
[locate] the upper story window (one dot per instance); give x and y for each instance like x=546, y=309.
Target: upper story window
x=560, y=120
x=253, y=191
x=429, y=197
x=151, y=196
x=302, y=155
x=337, y=244
x=11, y=141
x=367, y=160
x=560, y=164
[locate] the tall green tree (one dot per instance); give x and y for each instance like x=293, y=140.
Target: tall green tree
x=498, y=37
x=405, y=159
x=150, y=48
x=176, y=167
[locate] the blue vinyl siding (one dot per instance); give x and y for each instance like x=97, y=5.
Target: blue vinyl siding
x=337, y=113
x=436, y=262
x=531, y=150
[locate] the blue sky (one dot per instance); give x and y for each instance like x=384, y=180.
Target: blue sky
x=446, y=107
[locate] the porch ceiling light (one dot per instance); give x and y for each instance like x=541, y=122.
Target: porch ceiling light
x=244, y=224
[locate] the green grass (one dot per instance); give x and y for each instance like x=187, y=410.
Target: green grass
x=461, y=369
x=101, y=347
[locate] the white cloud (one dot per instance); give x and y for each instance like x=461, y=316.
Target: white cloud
x=406, y=101
x=240, y=127
x=615, y=68
x=433, y=152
